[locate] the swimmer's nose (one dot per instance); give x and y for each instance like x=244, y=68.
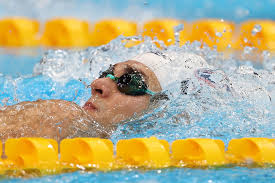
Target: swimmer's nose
x=102, y=87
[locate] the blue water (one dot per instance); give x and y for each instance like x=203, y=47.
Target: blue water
x=18, y=62
x=233, y=10
x=246, y=111
x=238, y=175
x=213, y=114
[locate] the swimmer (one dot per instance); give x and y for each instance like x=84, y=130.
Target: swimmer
x=119, y=94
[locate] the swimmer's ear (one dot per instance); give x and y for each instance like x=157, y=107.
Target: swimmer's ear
x=158, y=97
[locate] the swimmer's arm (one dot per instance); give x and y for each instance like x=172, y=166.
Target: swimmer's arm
x=56, y=119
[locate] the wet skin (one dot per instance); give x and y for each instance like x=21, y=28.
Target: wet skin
x=60, y=119
x=108, y=105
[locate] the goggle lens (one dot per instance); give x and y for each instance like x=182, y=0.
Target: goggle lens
x=129, y=83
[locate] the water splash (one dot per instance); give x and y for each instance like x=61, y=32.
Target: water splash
x=241, y=103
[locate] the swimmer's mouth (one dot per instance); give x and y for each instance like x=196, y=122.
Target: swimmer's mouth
x=89, y=106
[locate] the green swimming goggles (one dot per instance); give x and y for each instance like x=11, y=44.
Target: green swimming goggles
x=130, y=83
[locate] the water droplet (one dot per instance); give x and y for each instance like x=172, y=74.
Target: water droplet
x=215, y=47
x=257, y=28
x=247, y=50
x=266, y=54
x=50, y=146
x=219, y=34
x=178, y=28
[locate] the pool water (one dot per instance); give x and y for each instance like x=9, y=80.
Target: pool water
x=241, y=105
x=237, y=174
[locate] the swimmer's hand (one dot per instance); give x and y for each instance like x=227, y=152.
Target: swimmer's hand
x=56, y=119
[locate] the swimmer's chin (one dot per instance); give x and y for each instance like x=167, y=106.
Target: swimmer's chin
x=92, y=110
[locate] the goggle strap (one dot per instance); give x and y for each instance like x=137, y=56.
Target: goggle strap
x=112, y=77
x=150, y=92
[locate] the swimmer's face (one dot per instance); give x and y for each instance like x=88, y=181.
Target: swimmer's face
x=108, y=105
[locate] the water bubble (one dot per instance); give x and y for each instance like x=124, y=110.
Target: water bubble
x=266, y=54
x=215, y=46
x=257, y=28
x=178, y=28
x=218, y=34
x=50, y=146
x=247, y=50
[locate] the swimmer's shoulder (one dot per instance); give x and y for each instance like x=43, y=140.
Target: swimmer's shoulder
x=53, y=102
x=45, y=106
x=61, y=106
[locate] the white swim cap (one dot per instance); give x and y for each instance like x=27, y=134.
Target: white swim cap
x=167, y=69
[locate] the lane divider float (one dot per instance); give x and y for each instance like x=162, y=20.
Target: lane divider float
x=198, y=152
x=213, y=33
x=18, y=32
x=32, y=153
x=164, y=30
x=66, y=32
x=42, y=155
x=87, y=152
x=70, y=32
x=143, y=152
x=106, y=30
x=246, y=150
x=256, y=33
